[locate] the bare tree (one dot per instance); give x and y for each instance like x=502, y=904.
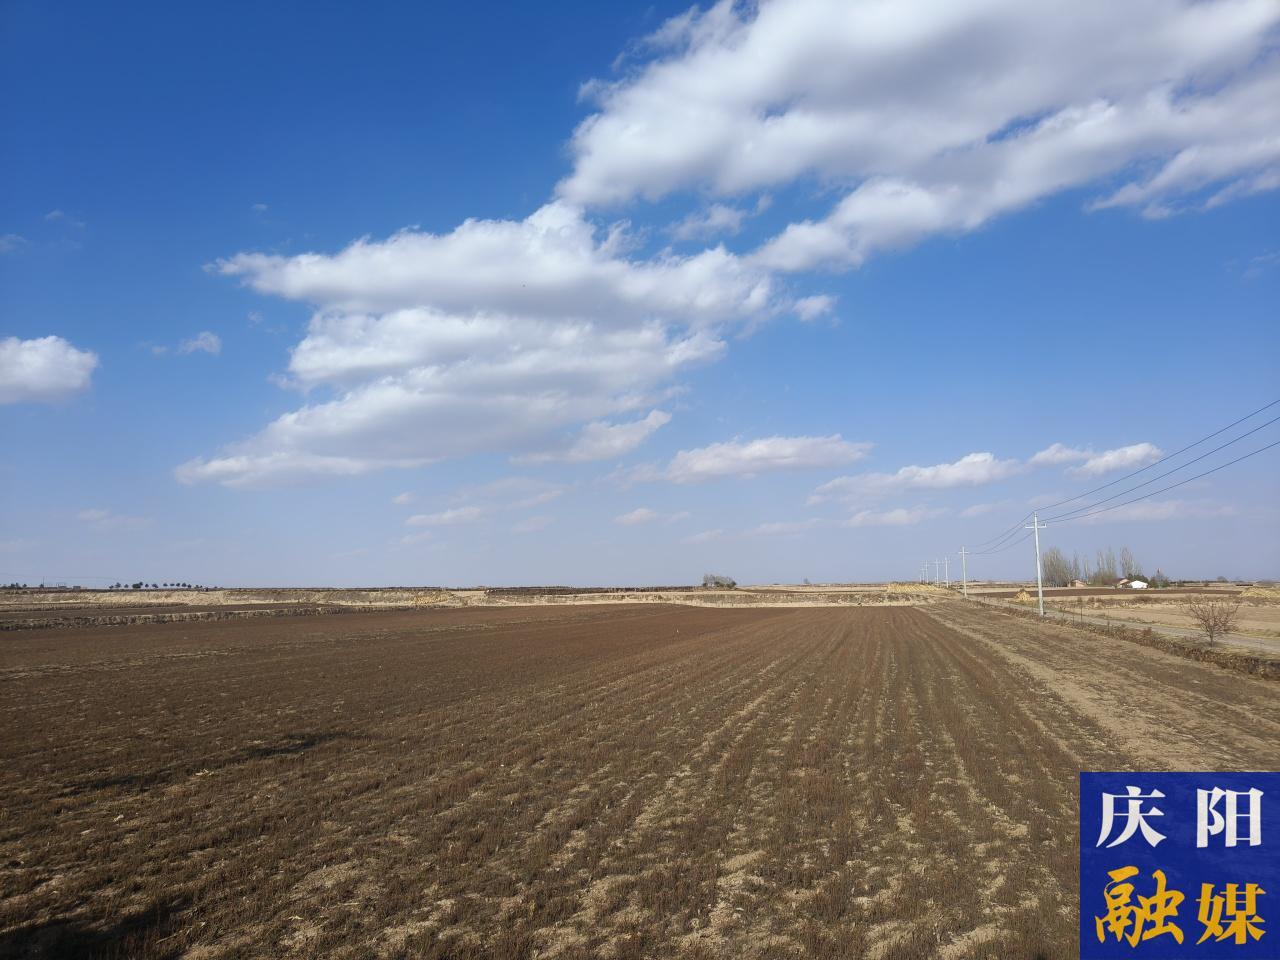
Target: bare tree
x=1215, y=616
x=715, y=581
x=1105, y=569
x=1055, y=568
x=1129, y=566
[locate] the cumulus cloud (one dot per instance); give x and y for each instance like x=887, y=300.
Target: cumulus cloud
x=1059, y=453
x=972, y=470
x=496, y=336
x=747, y=458
x=202, y=342
x=1094, y=464
x=1121, y=458
x=942, y=114
x=899, y=517
x=43, y=370
x=401, y=499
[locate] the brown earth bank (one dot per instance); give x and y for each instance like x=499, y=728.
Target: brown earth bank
x=575, y=782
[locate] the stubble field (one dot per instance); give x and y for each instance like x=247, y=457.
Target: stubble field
x=574, y=782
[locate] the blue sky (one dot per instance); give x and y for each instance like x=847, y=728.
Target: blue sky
x=575, y=293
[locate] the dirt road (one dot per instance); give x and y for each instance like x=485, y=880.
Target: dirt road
x=579, y=782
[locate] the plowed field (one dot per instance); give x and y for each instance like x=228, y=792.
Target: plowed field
x=578, y=782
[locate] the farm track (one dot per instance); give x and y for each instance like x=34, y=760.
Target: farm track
x=626, y=781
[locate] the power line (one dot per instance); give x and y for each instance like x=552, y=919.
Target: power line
x=1173, y=486
x=1008, y=546
x=991, y=544
x=1170, y=456
x=1167, y=473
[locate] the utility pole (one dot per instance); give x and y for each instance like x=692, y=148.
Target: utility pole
x=1037, y=526
x=937, y=573
x=947, y=561
x=924, y=572
x=964, y=573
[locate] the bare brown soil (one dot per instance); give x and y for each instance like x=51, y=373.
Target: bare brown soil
x=578, y=782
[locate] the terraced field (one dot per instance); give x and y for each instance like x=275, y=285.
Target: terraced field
x=639, y=781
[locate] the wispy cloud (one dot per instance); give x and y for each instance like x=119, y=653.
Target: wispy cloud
x=898, y=517
x=203, y=342
x=601, y=440
x=533, y=524
x=101, y=519
x=779, y=528
x=1161, y=510
x=749, y=458
x=972, y=470
x=645, y=515
x=705, y=536
x=446, y=518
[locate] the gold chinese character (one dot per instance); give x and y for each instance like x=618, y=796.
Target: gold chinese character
x=1151, y=917
x=1241, y=908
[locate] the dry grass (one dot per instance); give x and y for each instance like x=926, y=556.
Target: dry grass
x=638, y=781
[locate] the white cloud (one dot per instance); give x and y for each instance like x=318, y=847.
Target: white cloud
x=446, y=518
x=1260, y=264
x=705, y=536
x=637, y=516
x=747, y=458
x=899, y=517
x=1059, y=453
x=401, y=499
x=783, y=528
x=533, y=524
x=645, y=515
x=511, y=493
x=495, y=337
x=974, y=469
x=108, y=520
x=1135, y=455
x=600, y=440
x=277, y=467
x=1094, y=463
x=715, y=219
x=718, y=218
x=942, y=113
x=10, y=242
x=202, y=342
x=43, y=370
x=811, y=308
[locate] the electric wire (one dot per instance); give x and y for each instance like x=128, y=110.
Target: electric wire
x=995, y=544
